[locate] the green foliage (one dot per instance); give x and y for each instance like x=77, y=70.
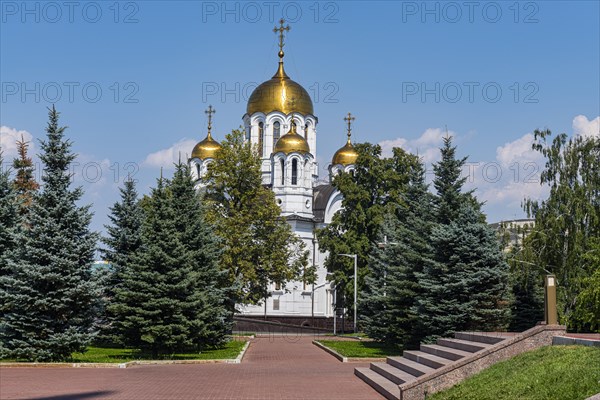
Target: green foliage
x=260, y=247
x=169, y=298
x=449, y=184
x=527, y=307
x=567, y=223
x=391, y=288
x=587, y=310
x=465, y=284
x=9, y=218
x=124, y=234
x=552, y=372
x=369, y=191
x=123, y=240
x=24, y=182
x=48, y=296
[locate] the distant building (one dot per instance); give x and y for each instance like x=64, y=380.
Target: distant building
x=512, y=232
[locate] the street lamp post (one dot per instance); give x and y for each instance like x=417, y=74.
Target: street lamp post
x=354, y=256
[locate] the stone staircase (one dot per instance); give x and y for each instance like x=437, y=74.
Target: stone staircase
x=389, y=377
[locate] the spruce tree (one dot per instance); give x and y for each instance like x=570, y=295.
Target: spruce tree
x=208, y=284
x=147, y=305
x=124, y=233
x=448, y=184
x=9, y=218
x=10, y=223
x=465, y=285
x=389, y=313
x=123, y=241
x=169, y=299
x=49, y=296
x=24, y=182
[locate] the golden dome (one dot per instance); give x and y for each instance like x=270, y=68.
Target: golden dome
x=280, y=93
x=347, y=155
x=291, y=142
x=206, y=148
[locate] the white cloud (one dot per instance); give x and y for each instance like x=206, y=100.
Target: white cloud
x=584, y=127
x=8, y=142
x=518, y=151
x=167, y=157
x=426, y=146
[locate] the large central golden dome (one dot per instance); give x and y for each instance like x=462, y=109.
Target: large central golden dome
x=280, y=93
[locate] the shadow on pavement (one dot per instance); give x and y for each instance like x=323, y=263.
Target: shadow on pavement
x=85, y=395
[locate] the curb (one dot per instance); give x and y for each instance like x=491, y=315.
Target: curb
x=566, y=341
x=346, y=359
x=128, y=364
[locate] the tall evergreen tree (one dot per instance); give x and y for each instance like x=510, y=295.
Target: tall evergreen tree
x=209, y=286
x=49, y=294
x=449, y=183
x=169, y=298
x=10, y=223
x=123, y=240
x=391, y=287
x=465, y=284
x=24, y=182
x=9, y=218
x=147, y=305
x=124, y=234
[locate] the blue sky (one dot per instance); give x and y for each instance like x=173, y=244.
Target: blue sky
x=132, y=79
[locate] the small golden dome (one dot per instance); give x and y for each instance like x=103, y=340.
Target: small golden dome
x=206, y=148
x=347, y=155
x=291, y=142
x=280, y=93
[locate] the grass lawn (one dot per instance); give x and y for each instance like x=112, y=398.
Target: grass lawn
x=552, y=372
x=355, y=348
x=114, y=355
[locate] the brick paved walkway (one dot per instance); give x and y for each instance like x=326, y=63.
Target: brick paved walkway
x=273, y=368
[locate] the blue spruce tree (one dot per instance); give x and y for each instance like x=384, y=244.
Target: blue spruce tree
x=49, y=295
x=465, y=285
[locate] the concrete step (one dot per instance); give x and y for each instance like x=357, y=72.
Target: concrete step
x=445, y=352
x=387, y=388
x=392, y=373
x=425, y=358
x=410, y=366
x=464, y=345
x=482, y=337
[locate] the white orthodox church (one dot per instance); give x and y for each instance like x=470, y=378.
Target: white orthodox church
x=281, y=122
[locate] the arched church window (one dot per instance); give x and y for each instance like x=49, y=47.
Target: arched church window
x=294, y=172
x=276, y=132
x=306, y=132
x=261, y=137
x=198, y=170
x=282, y=172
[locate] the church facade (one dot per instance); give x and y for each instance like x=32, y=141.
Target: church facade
x=280, y=121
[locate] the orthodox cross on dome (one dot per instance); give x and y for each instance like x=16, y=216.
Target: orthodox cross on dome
x=349, y=120
x=210, y=111
x=280, y=30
